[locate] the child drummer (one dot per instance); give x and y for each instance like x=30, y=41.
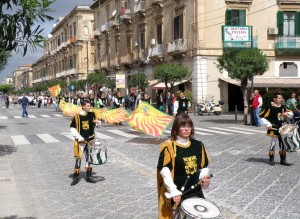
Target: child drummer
x=273, y=117
x=83, y=130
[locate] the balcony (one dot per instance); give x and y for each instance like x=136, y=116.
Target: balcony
x=115, y=63
x=157, y=3
x=126, y=16
x=239, y=1
x=105, y=28
x=140, y=7
x=177, y=47
x=73, y=39
x=69, y=72
x=97, y=33
x=115, y=23
x=288, y=1
x=241, y=45
x=126, y=60
x=104, y=64
x=156, y=52
x=287, y=46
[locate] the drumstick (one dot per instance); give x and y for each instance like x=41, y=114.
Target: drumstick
x=184, y=184
x=193, y=186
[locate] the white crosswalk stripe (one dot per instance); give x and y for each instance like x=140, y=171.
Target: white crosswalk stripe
x=57, y=115
x=68, y=135
x=18, y=117
x=3, y=117
x=235, y=131
x=197, y=133
x=45, y=116
x=47, y=138
x=19, y=139
x=122, y=133
x=213, y=131
x=250, y=130
x=31, y=116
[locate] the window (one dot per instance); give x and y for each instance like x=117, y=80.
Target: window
x=128, y=41
x=126, y=4
x=74, y=61
x=178, y=27
x=159, y=33
x=235, y=17
x=288, y=69
x=70, y=30
x=117, y=46
x=71, y=62
x=142, y=38
x=74, y=29
x=107, y=14
x=288, y=23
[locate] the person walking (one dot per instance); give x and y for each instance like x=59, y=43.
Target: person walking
x=83, y=130
x=182, y=164
x=6, y=98
x=256, y=107
x=24, y=102
x=273, y=117
x=170, y=103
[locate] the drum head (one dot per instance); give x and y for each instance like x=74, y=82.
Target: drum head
x=96, y=143
x=199, y=208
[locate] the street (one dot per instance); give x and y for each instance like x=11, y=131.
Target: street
x=36, y=167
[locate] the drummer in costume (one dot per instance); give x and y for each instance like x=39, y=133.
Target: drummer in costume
x=273, y=117
x=183, y=162
x=119, y=101
x=102, y=101
x=83, y=130
x=181, y=105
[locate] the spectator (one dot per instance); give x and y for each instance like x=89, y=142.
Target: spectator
x=256, y=107
x=24, y=102
x=291, y=104
x=170, y=103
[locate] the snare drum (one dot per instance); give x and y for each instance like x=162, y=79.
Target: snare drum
x=97, y=152
x=198, y=208
x=290, y=137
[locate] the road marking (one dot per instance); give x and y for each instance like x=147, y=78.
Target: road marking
x=19, y=139
x=68, y=135
x=102, y=136
x=47, y=138
x=58, y=115
x=18, y=117
x=124, y=134
x=31, y=116
x=3, y=117
x=235, y=131
x=198, y=133
x=46, y=116
x=250, y=130
x=213, y=131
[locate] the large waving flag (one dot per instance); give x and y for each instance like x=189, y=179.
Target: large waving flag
x=55, y=90
x=70, y=109
x=148, y=119
x=98, y=112
x=115, y=115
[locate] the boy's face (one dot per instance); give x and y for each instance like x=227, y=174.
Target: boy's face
x=86, y=107
x=278, y=99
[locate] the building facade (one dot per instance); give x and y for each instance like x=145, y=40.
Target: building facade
x=22, y=77
x=69, y=49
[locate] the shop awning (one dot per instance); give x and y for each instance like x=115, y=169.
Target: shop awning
x=152, y=82
x=268, y=82
x=161, y=85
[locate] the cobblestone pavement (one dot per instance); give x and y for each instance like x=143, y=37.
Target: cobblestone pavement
x=35, y=178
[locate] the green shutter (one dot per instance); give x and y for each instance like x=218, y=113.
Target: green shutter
x=242, y=17
x=297, y=24
x=228, y=17
x=280, y=22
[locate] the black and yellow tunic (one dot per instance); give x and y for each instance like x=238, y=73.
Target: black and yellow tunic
x=148, y=100
x=273, y=114
x=182, y=161
x=183, y=105
x=85, y=127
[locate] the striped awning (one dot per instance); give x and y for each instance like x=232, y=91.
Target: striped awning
x=268, y=82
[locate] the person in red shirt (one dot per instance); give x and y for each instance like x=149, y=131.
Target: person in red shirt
x=256, y=107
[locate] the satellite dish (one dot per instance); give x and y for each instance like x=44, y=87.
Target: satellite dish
x=114, y=13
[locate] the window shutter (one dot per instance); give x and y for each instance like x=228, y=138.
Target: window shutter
x=297, y=24
x=242, y=17
x=228, y=17
x=280, y=22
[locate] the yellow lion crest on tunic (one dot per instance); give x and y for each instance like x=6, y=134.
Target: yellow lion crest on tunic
x=190, y=165
x=85, y=125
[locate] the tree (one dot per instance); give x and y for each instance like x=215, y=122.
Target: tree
x=4, y=56
x=171, y=73
x=138, y=80
x=243, y=65
x=17, y=20
x=6, y=88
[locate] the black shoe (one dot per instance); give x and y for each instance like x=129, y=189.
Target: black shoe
x=284, y=163
x=75, y=181
x=272, y=162
x=89, y=177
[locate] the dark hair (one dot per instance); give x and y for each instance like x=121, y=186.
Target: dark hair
x=181, y=120
x=275, y=95
x=84, y=102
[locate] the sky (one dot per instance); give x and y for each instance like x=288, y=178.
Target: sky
x=60, y=9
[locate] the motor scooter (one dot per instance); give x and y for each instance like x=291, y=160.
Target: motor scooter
x=209, y=107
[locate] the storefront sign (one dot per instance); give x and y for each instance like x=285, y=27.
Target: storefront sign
x=120, y=80
x=236, y=33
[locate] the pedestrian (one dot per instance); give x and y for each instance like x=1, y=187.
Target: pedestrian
x=146, y=98
x=183, y=162
x=83, y=130
x=273, y=117
x=159, y=102
x=170, y=103
x=119, y=100
x=291, y=104
x=24, y=102
x=6, y=98
x=182, y=104
x=256, y=107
